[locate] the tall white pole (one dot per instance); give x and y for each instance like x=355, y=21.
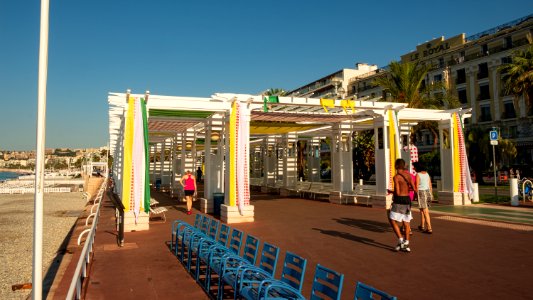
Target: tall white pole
x=37, y=278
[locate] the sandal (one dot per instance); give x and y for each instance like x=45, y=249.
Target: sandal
x=428, y=231
x=421, y=228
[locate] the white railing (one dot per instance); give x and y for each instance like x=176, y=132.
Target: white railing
x=74, y=291
x=32, y=190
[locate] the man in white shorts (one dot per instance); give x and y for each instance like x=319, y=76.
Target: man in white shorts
x=400, y=210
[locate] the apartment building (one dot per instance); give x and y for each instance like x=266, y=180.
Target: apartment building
x=469, y=68
x=333, y=85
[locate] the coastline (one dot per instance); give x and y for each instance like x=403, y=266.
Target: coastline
x=20, y=171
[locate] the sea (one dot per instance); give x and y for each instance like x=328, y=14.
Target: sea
x=8, y=175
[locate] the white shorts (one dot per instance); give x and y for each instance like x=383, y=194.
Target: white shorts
x=400, y=212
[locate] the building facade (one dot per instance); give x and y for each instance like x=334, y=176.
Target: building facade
x=469, y=68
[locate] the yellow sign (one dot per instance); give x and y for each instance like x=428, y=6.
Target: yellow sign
x=434, y=47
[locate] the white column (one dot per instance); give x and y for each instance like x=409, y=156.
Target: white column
x=447, y=194
x=289, y=160
x=381, y=142
x=313, y=160
x=271, y=161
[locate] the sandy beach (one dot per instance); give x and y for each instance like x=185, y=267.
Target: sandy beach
x=61, y=211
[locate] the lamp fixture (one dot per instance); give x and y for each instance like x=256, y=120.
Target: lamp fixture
x=215, y=136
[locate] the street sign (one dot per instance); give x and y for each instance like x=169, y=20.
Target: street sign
x=493, y=135
x=494, y=143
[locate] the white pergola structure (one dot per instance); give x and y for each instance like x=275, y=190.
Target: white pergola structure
x=189, y=132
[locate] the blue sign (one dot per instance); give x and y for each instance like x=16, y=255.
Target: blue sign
x=494, y=135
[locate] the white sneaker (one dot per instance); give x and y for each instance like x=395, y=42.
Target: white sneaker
x=405, y=247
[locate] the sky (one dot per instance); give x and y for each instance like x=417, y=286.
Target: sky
x=198, y=48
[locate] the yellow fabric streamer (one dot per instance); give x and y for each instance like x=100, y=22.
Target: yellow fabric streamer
x=456, y=157
x=232, y=155
x=348, y=104
x=128, y=147
x=327, y=103
x=392, y=147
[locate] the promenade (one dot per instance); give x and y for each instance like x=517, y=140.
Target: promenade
x=465, y=258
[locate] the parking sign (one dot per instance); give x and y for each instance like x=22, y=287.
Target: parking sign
x=493, y=135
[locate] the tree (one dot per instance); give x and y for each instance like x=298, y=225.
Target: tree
x=275, y=92
x=477, y=145
x=518, y=76
x=406, y=83
x=363, y=154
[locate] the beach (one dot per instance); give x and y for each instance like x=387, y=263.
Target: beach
x=61, y=211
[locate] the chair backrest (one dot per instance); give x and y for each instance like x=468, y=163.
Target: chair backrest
x=197, y=220
x=269, y=258
x=213, y=228
x=223, y=234
x=293, y=270
x=235, y=241
x=327, y=284
x=251, y=247
x=205, y=224
x=366, y=292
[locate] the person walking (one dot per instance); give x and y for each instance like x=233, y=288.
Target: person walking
x=425, y=196
x=188, y=181
x=199, y=174
x=400, y=210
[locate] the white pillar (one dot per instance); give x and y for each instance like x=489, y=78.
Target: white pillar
x=514, y=191
x=381, y=144
x=289, y=160
x=313, y=160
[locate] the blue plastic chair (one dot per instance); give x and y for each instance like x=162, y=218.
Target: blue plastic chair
x=266, y=267
x=366, y=292
x=197, y=239
x=252, y=284
x=231, y=263
x=186, y=230
x=217, y=253
x=204, y=247
x=189, y=236
x=178, y=226
x=327, y=284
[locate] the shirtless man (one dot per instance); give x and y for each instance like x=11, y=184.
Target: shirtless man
x=401, y=205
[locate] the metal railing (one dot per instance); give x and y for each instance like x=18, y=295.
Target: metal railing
x=80, y=273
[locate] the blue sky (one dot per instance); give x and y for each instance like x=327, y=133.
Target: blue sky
x=197, y=48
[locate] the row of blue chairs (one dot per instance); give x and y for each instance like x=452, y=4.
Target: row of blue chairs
x=217, y=258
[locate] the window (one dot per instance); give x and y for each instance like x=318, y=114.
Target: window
x=441, y=62
x=484, y=49
x=506, y=60
x=508, y=110
x=461, y=95
x=483, y=71
x=484, y=92
x=461, y=76
x=508, y=42
x=485, y=113
x=437, y=78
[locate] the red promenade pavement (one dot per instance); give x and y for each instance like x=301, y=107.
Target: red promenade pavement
x=459, y=261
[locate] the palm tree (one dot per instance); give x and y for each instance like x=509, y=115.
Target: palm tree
x=275, y=92
x=518, y=76
x=405, y=82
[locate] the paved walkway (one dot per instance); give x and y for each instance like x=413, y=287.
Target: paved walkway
x=464, y=258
